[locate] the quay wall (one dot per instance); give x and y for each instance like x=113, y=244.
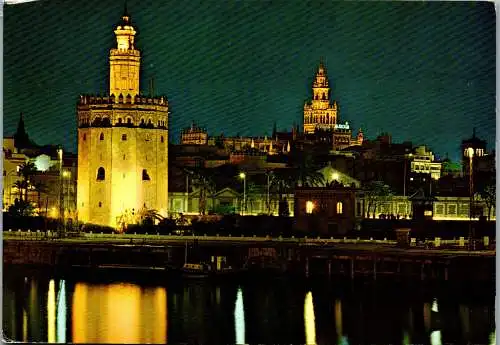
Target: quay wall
x=366, y=260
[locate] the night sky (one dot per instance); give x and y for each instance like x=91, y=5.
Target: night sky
x=423, y=71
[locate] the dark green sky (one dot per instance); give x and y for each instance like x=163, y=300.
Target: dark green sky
x=423, y=71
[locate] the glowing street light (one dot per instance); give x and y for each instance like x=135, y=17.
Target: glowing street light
x=470, y=154
x=405, y=174
x=243, y=176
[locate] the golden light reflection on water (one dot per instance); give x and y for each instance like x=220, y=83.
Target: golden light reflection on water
x=309, y=320
x=25, y=326
x=51, y=313
x=338, y=317
x=119, y=313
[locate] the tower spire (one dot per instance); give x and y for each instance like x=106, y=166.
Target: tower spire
x=124, y=59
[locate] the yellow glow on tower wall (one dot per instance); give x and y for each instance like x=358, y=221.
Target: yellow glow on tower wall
x=125, y=136
x=319, y=112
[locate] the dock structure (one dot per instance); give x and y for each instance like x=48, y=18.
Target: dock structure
x=373, y=260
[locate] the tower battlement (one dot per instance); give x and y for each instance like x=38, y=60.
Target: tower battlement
x=130, y=52
x=88, y=99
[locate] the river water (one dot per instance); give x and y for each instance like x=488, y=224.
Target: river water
x=257, y=310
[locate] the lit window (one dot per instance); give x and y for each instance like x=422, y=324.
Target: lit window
x=339, y=207
x=101, y=174
x=101, y=137
x=309, y=207
x=145, y=176
x=124, y=137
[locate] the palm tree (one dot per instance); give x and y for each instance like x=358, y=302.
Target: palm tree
x=203, y=181
x=254, y=192
x=26, y=170
x=40, y=188
x=375, y=193
x=306, y=172
x=22, y=187
x=488, y=195
x=282, y=182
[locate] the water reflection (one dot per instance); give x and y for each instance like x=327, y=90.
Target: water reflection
x=309, y=320
x=435, y=307
x=239, y=318
x=99, y=311
x=436, y=338
x=493, y=338
x=61, y=313
x=25, y=326
x=51, y=312
x=406, y=338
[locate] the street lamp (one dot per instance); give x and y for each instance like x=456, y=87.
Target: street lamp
x=470, y=154
x=268, y=189
x=244, y=177
x=404, y=180
x=66, y=174
x=61, y=196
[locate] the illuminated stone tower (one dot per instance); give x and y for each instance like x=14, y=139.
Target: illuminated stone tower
x=122, y=142
x=319, y=113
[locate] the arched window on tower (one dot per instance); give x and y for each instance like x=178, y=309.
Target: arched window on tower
x=161, y=139
x=101, y=174
x=145, y=176
x=84, y=136
x=101, y=137
x=339, y=207
x=324, y=97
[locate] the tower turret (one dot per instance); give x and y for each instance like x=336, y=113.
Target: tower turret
x=124, y=60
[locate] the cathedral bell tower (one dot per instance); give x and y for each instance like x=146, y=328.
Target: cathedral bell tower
x=319, y=113
x=124, y=61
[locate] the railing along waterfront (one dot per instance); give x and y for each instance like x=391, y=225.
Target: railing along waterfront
x=143, y=238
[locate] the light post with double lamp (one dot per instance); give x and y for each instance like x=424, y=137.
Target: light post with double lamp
x=66, y=174
x=470, y=154
x=244, y=177
x=268, y=201
x=61, y=200
x=404, y=180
